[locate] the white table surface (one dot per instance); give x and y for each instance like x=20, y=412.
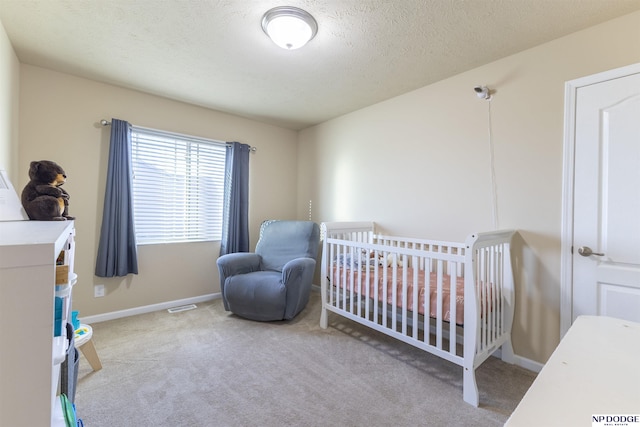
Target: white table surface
x=594, y=370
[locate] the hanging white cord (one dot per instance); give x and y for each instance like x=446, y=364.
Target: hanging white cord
x=309, y=210
x=494, y=192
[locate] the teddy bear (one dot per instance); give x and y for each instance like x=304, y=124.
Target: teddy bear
x=43, y=198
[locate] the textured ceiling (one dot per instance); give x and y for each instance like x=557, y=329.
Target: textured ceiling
x=213, y=53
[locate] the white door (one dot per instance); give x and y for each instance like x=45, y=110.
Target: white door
x=605, y=253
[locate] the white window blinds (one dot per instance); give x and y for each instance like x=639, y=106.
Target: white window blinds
x=178, y=186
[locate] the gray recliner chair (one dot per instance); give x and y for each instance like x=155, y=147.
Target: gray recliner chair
x=274, y=282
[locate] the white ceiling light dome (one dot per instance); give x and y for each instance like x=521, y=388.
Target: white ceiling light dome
x=289, y=27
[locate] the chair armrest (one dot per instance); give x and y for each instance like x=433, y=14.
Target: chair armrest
x=238, y=263
x=297, y=277
x=294, y=268
x=233, y=264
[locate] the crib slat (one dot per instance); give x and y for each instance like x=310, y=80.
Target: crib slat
x=500, y=296
x=344, y=284
x=453, y=295
x=394, y=296
x=416, y=297
x=331, y=267
x=384, y=296
x=485, y=296
x=405, y=290
x=352, y=273
x=366, y=289
x=357, y=289
x=427, y=303
x=376, y=297
x=439, y=304
x=494, y=291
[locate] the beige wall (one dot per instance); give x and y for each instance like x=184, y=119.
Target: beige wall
x=419, y=164
x=9, y=101
x=59, y=117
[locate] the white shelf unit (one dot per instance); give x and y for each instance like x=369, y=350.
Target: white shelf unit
x=30, y=355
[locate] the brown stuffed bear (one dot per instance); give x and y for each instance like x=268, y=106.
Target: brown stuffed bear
x=42, y=198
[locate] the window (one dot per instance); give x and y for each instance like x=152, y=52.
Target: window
x=178, y=187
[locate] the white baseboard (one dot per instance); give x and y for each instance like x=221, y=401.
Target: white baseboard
x=528, y=364
x=523, y=362
x=147, y=308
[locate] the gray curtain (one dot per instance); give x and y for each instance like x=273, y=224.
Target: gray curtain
x=235, y=221
x=117, y=251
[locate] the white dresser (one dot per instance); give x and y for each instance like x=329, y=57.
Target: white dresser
x=30, y=355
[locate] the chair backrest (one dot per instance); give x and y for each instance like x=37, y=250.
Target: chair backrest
x=281, y=241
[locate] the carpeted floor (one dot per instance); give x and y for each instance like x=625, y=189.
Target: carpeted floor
x=207, y=367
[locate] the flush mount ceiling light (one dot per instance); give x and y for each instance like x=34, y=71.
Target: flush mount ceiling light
x=289, y=27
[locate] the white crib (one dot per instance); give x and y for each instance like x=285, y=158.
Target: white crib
x=465, y=288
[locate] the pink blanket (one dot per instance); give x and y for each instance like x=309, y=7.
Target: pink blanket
x=433, y=286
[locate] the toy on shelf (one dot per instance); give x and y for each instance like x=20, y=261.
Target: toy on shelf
x=43, y=198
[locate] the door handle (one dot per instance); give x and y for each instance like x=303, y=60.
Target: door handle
x=586, y=251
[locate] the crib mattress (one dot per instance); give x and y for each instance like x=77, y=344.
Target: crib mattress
x=363, y=278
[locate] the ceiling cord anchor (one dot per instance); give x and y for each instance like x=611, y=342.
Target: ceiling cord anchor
x=483, y=92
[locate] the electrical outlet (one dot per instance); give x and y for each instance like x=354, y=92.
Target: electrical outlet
x=98, y=291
